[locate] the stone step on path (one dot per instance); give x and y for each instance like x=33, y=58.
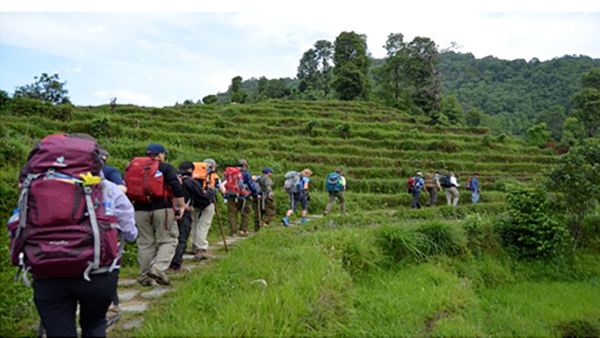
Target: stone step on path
x=135, y=299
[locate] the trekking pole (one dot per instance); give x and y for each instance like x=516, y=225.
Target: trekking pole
x=220, y=224
x=259, y=213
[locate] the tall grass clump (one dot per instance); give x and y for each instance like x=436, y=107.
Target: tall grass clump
x=422, y=241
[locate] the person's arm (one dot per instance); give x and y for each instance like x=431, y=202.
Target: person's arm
x=248, y=181
x=306, y=180
x=123, y=209
x=171, y=179
x=343, y=182
x=221, y=186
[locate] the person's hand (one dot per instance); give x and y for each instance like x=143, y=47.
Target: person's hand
x=179, y=214
x=271, y=195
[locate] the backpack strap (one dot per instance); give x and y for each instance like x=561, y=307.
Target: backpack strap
x=95, y=264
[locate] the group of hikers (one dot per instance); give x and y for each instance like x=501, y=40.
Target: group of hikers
x=75, y=210
x=434, y=183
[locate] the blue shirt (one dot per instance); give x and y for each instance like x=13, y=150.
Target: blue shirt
x=419, y=183
x=474, y=184
x=112, y=174
x=303, y=179
x=250, y=183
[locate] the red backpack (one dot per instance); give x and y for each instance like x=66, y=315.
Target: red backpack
x=234, y=182
x=468, y=184
x=410, y=184
x=61, y=228
x=144, y=181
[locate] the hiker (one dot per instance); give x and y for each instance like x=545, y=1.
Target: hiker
x=267, y=197
x=239, y=188
x=110, y=173
x=193, y=194
x=473, y=185
x=419, y=184
x=335, y=184
x=449, y=182
x=433, y=188
x=152, y=191
x=202, y=217
x=298, y=194
x=60, y=173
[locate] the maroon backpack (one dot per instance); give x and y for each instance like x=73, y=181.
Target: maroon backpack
x=63, y=228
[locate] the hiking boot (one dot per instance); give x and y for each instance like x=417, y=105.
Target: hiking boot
x=203, y=255
x=304, y=220
x=286, y=221
x=159, y=276
x=112, y=315
x=243, y=233
x=172, y=271
x=145, y=281
x=265, y=225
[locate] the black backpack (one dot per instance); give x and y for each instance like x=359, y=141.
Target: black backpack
x=201, y=198
x=446, y=181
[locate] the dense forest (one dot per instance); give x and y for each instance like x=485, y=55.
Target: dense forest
x=507, y=96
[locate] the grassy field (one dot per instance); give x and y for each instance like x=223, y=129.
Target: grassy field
x=382, y=270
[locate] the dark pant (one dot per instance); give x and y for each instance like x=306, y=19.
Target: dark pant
x=433, y=194
x=416, y=202
x=185, y=226
x=56, y=301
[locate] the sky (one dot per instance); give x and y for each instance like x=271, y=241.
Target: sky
x=159, y=53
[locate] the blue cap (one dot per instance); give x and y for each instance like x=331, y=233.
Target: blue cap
x=267, y=170
x=156, y=148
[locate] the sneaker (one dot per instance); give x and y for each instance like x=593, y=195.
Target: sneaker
x=159, y=276
x=112, y=315
x=172, y=271
x=243, y=233
x=286, y=221
x=265, y=225
x=203, y=255
x=304, y=220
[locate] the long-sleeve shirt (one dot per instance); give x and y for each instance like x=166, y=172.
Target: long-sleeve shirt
x=475, y=185
x=123, y=209
x=249, y=182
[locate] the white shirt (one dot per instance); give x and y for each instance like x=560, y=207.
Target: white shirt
x=343, y=179
x=454, y=182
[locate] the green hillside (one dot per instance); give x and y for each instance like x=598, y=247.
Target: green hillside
x=383, y=270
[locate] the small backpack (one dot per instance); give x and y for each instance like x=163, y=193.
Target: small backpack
x=469, y=187
x=63, y=228
x=410, y=185
x=292, y=181
x=234, y=182
x=144, y=181
x=202, y=172
x=446, y=181
x=200, y=198
x=333, y=183
x=257, y=180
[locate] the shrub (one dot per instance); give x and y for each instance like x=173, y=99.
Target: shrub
x=531, y=229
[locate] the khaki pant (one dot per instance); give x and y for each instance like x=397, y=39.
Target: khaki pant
x=157, y=239
x=452, y=196
x=201, y=223
x=332, y=197
x=235, y=205
x=269, y=213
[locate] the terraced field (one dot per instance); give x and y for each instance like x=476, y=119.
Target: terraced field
x=340, y=276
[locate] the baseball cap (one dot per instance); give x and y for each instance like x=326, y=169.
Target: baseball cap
x=267, y=170
x=156, y=148
x=242, y=163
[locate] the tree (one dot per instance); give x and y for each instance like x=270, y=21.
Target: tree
x=554, y=117
x=323, y=53
x=572, y=131
x=351, y=80
x=307, y=71
x=577, y=180
x=538, y=135
x=422, y=73
x=46, y=88
x=474, y=117
x=238, y=95
x=391, y=76
x=272, y=89
x=4, y=98
x=210, y=99
x=587, y=102
x=451, y=108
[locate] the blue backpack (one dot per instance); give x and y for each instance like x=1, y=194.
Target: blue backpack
x=333, y=183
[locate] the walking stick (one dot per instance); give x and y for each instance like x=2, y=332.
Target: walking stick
x=220, y=224
x=259, y=213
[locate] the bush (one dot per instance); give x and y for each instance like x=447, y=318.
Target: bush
x=531, y=229
x=21, y=106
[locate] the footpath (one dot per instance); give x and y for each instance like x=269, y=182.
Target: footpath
x=135, y=299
